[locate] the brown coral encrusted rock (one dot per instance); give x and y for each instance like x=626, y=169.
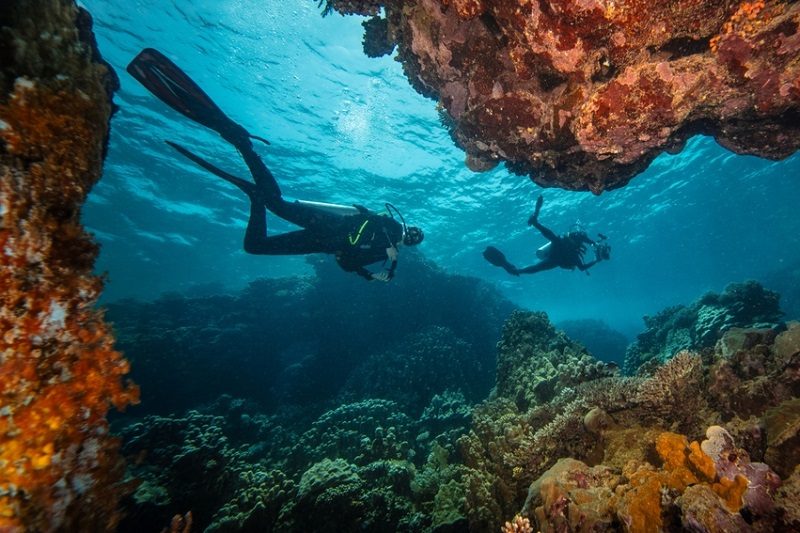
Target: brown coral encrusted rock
x=584, y=94
x=60, y=469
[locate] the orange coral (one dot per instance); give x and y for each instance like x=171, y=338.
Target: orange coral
x=59, y=468
x=684, y=464
x=732, y=492
x=467, y=9
x=686, y=461
x=745, y=21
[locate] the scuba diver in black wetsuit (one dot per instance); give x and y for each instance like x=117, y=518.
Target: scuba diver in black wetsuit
x=354, y=235
x=565, y=251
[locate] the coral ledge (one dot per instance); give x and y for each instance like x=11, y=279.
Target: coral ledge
x=584, y=94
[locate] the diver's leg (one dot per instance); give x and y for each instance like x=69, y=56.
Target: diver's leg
x=245, y=186
x=300, y=242
x=256, y=232
x=270, y=192
x=538, y=267
x=267, y=185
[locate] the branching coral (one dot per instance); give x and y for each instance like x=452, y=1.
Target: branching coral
x=59, y=468
x=674, y=390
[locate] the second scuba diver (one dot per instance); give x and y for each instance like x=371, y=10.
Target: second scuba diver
x=564, y=251
x=356, y=236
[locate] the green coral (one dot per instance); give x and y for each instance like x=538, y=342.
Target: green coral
x=536, y=362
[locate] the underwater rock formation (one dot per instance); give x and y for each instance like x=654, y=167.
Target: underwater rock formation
x=698, y=326
x=565, y=441
x=582, y=94
x=698, y=490
x=60, y=470
x=186, y=351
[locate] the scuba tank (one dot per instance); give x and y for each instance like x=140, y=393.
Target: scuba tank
x=544, y=251
x=327, y=208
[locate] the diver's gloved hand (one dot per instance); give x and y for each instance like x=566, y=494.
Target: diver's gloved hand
x=535, y=216
x=380, y=276
x=391, y=253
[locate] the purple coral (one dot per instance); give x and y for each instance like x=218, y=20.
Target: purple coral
x=730, y=461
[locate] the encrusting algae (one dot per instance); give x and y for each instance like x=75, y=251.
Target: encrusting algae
x=59, y=372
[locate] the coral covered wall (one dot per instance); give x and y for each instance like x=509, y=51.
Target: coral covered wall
x=584, y=94
x=59, y=372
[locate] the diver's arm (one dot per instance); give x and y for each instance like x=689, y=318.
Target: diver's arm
x=377, y=276
x=364, y=273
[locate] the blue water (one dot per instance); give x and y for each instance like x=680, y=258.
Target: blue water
x=349, y=129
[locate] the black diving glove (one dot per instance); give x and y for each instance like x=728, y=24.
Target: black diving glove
x=535, y=216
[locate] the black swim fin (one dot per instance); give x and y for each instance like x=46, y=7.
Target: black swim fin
x=250, y=189
x=159, y=75
x=498, y=259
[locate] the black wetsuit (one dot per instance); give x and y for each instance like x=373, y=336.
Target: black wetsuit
x=566, y=251
x=356, y=240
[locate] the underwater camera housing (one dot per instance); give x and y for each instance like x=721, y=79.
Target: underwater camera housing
x=602, y=250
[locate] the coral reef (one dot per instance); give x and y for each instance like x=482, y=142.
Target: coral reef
x=60, y=470
x=304, y=345
x=699, y=326
x=364, y=467
x=684, y=490
x=603, y=342
x=413, y=372
x=706, y=441
x=583, y=94
x=535, y=361
x=614, y=453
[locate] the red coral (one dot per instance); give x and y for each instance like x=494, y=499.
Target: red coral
x=619, y=82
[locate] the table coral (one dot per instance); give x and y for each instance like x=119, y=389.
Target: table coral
x=585, y=94
x=59, y=467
